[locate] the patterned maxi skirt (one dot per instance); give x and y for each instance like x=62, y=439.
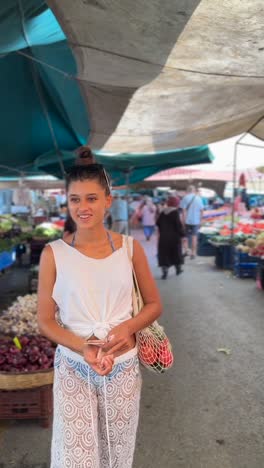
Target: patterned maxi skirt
x=95, y=418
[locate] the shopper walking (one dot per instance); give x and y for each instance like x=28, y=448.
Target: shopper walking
x=119, y=214
x=88, y=277
x=147, y=214
x=170, y=238
x=192, y=207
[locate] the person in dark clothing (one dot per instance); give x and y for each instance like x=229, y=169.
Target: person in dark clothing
x=170, y=238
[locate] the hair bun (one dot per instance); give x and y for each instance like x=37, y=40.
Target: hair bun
x=85, y=156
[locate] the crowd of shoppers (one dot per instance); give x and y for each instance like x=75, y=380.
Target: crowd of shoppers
x=177, y=222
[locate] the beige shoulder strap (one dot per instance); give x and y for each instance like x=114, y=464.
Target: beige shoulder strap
x=136, y=294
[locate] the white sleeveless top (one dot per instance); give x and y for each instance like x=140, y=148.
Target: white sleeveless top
x=93, y=295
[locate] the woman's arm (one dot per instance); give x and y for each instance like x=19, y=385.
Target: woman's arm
x=47, y=306
x=149, y=313
x=152, y=303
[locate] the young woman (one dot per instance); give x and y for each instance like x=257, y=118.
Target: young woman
x=88, y=276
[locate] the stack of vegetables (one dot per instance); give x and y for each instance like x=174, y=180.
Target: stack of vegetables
x=10, y=223
x=26, y=354
x=22, y=349
x=13, y=231
x=46, y=231
x=243, y=231
x=5, y=225
x=21, y=317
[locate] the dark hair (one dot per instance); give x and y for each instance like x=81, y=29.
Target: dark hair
x=69, y=225
x=85, y=156
x=89, y=172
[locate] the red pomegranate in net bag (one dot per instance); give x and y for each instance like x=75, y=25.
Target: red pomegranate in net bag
x=165, y=355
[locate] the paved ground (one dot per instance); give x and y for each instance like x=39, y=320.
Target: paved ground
x=208, y=411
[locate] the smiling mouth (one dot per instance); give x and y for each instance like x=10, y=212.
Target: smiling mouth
x=84, y=216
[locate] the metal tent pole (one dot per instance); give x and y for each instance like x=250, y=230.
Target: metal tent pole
x=127, y=173
x=234, y=192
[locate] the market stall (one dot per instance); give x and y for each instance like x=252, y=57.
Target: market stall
x=240, y=249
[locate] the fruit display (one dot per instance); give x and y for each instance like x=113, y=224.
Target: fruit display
x=28, y=353
x=257, y=248
x=21, y=317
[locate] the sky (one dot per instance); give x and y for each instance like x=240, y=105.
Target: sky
x=247, y=157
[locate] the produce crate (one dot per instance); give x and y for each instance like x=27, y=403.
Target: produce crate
x=205, y=249
x=245, y=270
x=35, y=403
x=241, y=257
x=245, y=266
x=224, y=257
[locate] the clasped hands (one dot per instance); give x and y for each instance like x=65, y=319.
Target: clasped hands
x=101, y=357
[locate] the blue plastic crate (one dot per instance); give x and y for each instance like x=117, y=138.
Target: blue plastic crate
x=245, y=270
x=7, y=259
x=241, y=257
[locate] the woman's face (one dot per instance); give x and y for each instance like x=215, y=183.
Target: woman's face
x=87, y=203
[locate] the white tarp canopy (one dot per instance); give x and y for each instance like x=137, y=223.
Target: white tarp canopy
x=166, y=74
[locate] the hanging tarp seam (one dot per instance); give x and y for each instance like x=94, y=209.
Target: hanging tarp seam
x=35, y=76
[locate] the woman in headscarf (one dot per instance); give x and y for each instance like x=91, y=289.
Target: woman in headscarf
x=170, y=238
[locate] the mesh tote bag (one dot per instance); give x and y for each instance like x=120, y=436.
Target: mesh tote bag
x=154, y=348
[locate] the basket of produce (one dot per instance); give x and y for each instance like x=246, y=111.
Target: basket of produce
x=26, y=358
x=26, y=362
x=21, y=317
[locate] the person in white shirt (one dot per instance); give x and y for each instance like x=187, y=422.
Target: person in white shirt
x=97, y=381
x=147, y=213
x=192, y=206
x=119, y=214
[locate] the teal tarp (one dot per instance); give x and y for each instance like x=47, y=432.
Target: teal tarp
x=26, y=113
x=42, y=109
x=136, y=166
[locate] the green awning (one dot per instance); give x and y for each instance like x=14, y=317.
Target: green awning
x=135, y=166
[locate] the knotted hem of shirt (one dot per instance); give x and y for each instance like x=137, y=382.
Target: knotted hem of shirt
x=98, y=329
